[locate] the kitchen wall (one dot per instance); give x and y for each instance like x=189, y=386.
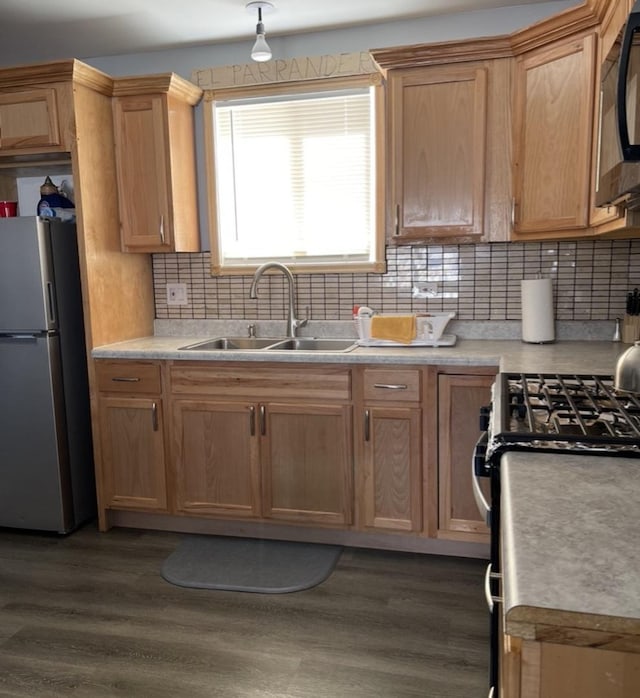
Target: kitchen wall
x=477, y=282
x=446, y=27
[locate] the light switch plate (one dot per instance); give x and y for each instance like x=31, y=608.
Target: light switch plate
x=177, y=294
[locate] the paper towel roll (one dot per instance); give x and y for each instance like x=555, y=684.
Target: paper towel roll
x=537, y=311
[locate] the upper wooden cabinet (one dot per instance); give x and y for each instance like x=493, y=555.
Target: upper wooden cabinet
x=449, y=160
x=155, y=159
x=29, y=119
x=553, y=108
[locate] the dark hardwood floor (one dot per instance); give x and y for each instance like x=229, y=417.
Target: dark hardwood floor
x=89, y=616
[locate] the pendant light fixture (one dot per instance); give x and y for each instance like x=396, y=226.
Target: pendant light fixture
x=260, y=51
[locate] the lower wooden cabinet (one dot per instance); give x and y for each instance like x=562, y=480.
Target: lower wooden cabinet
x=389, y=463
x=216, y=458
x=307, y=463
x=460, y=397
x=274, y=443
x=547, y=670
x=131, y=436
x=376, y=449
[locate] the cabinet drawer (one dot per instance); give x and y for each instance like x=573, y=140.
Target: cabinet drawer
x=128, y=377
x=392, y=385
x=257, y=383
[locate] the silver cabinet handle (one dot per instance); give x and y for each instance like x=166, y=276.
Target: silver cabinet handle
x=488, y=576
x=391, y=386
x=367, y=425
x=252, y=420
x=396, y=225
x=263, y=420
x=125, y=379
x=154, y=416
x=513, y=212
x=162, y=228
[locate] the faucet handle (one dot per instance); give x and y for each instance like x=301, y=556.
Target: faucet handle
x=307, y=317
x=251, y=329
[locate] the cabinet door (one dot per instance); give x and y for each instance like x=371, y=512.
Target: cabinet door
x=28, y=119
x=391, y=469
x=459, y=400
x=216, y=458
x=551, y=670
x=143, y=175
x=438, y=143
x=133, y=464
x=554, y=97
x=307, y=463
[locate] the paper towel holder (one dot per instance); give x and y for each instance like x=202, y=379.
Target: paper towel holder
x=538, y=320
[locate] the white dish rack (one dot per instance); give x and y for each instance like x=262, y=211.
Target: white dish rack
x=429, y=332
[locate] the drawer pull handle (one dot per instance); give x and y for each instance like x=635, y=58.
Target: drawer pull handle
x=367, y=425
x=252, y=420
x=122, y=379
x=154, y=416
x=391, y=386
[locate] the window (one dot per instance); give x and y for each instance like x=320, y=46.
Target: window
x=295, y=175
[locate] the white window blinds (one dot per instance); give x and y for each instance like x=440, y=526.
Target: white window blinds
x=296, y=177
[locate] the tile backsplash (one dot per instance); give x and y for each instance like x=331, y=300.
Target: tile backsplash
x=478, y=282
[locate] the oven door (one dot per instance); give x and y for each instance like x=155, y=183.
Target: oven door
x=490, y=510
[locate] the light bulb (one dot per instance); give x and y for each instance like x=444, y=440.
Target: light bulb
x=260, y=51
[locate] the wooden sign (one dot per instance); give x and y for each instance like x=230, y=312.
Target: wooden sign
x=281, y=70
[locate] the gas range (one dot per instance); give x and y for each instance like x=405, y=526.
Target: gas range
x=562, y=412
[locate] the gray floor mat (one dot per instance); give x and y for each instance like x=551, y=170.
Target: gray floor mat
x=249, y=564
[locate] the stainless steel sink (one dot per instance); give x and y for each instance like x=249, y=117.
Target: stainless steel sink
x=271, y=344
x=313, y=344
x=232, y=344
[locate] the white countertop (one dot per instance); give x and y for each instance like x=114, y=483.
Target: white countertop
x=596, y=357
x=570, y=532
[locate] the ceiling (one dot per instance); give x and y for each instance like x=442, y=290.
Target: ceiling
x=39, y=30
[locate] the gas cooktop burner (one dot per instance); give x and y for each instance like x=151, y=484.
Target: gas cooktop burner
x=557, y=411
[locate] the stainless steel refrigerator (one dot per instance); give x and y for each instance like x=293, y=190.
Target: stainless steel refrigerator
x=46, y=460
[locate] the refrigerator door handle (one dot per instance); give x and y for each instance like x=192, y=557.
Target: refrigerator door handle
x=51, y=306
x=18, y=335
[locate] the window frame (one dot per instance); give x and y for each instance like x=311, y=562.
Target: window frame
x=377, y=264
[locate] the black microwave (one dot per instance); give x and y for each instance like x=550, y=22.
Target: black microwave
x=618, y=165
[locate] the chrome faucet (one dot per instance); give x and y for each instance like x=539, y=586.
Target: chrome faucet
x=293, y=323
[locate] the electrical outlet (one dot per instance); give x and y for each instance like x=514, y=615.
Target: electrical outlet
x=426, y=289
x=177, y=294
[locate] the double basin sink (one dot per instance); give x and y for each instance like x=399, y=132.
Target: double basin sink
x=272, y=344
